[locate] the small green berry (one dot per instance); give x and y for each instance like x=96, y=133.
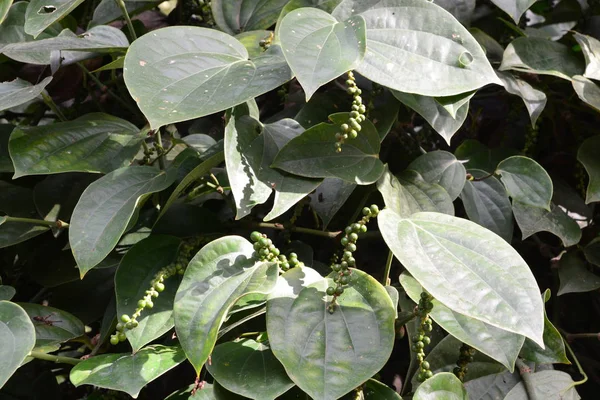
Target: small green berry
x=355, y=107
x=114, y=340
x=374, y=209
x=354, y=114
x=346, y=256
x=275, y=252
x=293, y=256
x=348, y=230
x=255, y=236
x=122, y=337
x=344, y=280
x=351, y=261
x=336, y=267
x=149, y=304
x=120, y=326
x=344, y=241
x=285, y=265
x=142, y=304
x=130, y=325
x=263, y=252
x=264, y=242
x=159, y=286
x=426, y=340
x=339, y=290
x=345, y=128
x=353, y=237
x=125, y=318
x=330, y=291
x=419, y=345
x=417, y=338
x=363, y=229
x=344, y=265
x=366, y=211
x=257, y=246
x=351, y=247
x=356, y=227
x=425, y=365
x=353, y=133
x=347, y=272
x=428, y=374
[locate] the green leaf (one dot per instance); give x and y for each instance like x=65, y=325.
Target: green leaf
x=555, y=347
x=318, y=48
x=220, y=274
x=574, y=276
x=12, y=28
x=535, y=100
x=442, y=121
x=313, y=153
x=592, y=251
x=486, y=203
x=245, y=15
x=492, y=387
x=376, y=390
x=587, y=156
x=137, y=269
x=6, y=164
x=591, y=51
x=125, y=372
x=467, y=268
x=17, y=201
x=415, y=46
x=70, y=47
x=514, y=8
x=442, y=168
x=493, y=49
x=408, y=194
x=19, y=92
x=92, y=143
x=535, y=219
x=250, y=149
x=587, y=91
x=475, y=155
x=4, y=7
x=443, y=385
x=17, y=336
x=7, y=292
x=252, y=39
x=501, y=345
x=325, y=5
x=41, y=15
x=331, y=352
x=548, y=385
x=329, y=197
x=443, y=358
x=526, y=181
x=108, y=10
x=250, y=369
x=541, y=56
x=52, y=326
x=462, y=10
x=212, y=73
x=105, y=209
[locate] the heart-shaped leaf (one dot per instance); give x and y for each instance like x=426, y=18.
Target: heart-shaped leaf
x=52, y=326
x=250, y=149
x=587, y=91
x=125, y=372
x=587, y=156
x=440, y=119
x=318, y=48
x=70, y=47
x=574, y=276
x=246, y=15
x=555, y=347
x=475, y=155
x=535, y=100
x=17, y=336
x=180, y=73
x=526, y=181
x=501, y=345
x=591, y=51
x=408, y=194
x=329, y=197
x=19, y=92
x=41, y=15
x=514, y=8
x=220, y=274
x=105, y=208
x=492, y=386
x=486, y=203
x=443, y=385
x=376, y=390
x=541, y=56
x=548, y=385
x=442, y=168
x=7, y=292
x=536, y=219
x=468, y=269
x=313, y=153
x=415, y=46
x=137, y=269
x=250, y=369
x=331, y=352
x=93, y=143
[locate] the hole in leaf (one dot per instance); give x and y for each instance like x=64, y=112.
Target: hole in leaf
x=47, y=10
x=465, y=59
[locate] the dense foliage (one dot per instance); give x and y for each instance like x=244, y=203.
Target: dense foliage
x=294, y=199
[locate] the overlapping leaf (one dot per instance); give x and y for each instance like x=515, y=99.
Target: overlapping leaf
x=591, y=51
x=444, y=384
x=548, y=385
x=514, y=8
x=574, y=276
x=442, y=168
x=52, y=326
x=180, y=73
x=526, y=181
x=535, y=100
x=41, y=15
x=587, y=155
x=17, y=336
x=587, y=91
x=467, y=268
x=246, y=15
x=19, y=92
x=533, y=219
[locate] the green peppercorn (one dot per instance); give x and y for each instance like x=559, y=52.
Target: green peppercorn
x=363, y=228
x=330, y=291
x=426, y=340
x=336, y=267
x=141, y=304
x=114, y=340
x=351, y=247
x=425, y=365
x=255, y=236
x=339, y=290
x=160, y=287
x=353, y=237
x=293, y=256
x=263, y=242
x=344, y=280
x=120, y=326
x=344, y=241
x=353, y=133
x=344, y=264
x=351, y=261
x=366, y=211
x=345, y=128
x=149, y=304
x=374, y=209
x=122, y=337
x=347, y=272
x=285, y=265
x=125, y=318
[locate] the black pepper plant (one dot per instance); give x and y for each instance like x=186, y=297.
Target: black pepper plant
x=299, y=199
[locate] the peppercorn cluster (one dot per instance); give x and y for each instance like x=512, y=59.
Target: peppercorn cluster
x=421, y=338
x=465, y=357
x=265, y=250
x=157, y=286
x=351, y=128
x=342, y=269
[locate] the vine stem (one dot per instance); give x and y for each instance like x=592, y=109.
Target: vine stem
x=581, y=371
x=123, y=8
x=525, y=372
x=159, y=149
x=50, y=103
x=57, y=359
x=388, y=266
x=314, y=232
x=108, y=90
x=572, y=336
x=53, y=224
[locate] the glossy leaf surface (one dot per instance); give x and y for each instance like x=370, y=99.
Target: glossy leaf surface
x=587, y=91
x=93, y=143
x=549, y=385
x=220, y=274
x=591, y=51
x=514, y=8
x=535, y=100
x=180, y=73
x=137, y=269
x=446, y=256
x=52, y=326
x=126, y=372
x=526, y=181
x=442, y=168
x=18, y=92
x=17, y=335
x=41, y=15
x=7, y=292
x=105, y=208
x=318, y=48
x=443, y=385
x=535, y=219
x=246, y=15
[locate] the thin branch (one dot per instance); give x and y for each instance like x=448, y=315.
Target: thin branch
x=278, y=226
x=123, y=8
x=388, y=267
x=573, y=336
x=52, y=224
x=50, y=103
x=109, y=91
x=57, y=359
x=525, y=372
